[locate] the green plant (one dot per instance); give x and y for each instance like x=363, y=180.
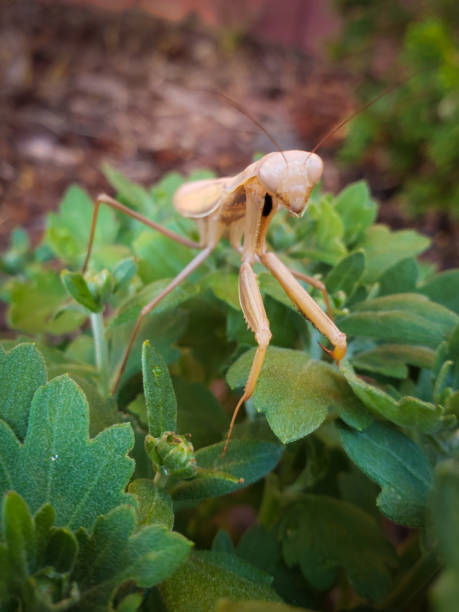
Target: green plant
x=103, y=497
x=412, y=135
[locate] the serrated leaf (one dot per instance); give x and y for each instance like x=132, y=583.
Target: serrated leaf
x=392, y=359
x=81, y=478
x=154, y=503
x=245, y=462
x=405, y=317
x=346, y=274
x=208, y=576
x=322, y=534
x=357, y=210
x=408, y=412
x=443, y=289
x=384, y=248
x=159, y=392
x=397, y=465
x=113, y=554
x=22, y=371
x=295, y=392
x=77, y=287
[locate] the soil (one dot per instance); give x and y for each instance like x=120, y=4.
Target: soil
x=79, y=87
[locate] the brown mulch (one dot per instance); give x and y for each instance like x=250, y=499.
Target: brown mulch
x=80, y=86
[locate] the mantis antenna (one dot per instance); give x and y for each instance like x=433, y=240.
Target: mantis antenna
x=372, y=101
x=253, y=119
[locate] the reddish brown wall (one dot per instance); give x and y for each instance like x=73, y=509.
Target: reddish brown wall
x=299, y=23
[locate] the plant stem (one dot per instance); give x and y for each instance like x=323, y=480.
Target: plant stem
x=101, y=350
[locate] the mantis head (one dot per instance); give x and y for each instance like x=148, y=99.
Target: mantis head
x=290, y=176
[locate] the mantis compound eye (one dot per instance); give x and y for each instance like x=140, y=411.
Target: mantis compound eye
x=314, y=168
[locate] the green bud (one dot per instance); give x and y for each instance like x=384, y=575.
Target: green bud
x=171, y=454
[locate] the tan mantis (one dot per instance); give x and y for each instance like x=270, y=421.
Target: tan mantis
x=241, y=207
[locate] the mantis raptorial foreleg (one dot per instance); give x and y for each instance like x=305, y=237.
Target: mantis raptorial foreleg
x=187, y=270
x=257, y=320
x=301, y=298
x=105, y=199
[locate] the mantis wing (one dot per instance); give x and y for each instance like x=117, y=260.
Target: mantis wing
x=199, y=198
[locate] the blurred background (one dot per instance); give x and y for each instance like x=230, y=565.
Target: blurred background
x=134, y=83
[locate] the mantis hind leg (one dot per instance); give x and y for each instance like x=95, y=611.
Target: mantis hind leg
x=257, y=320
x=187, y=270
x=105, y=199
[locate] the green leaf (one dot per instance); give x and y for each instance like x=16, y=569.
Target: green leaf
x=323, y=534
x=296, y=393
x=357, y=210
x=443, y=289
x=200, y=414
x=22, y=371
x=408, y=412
x=68, y=230
x=392, y=359
x=208, y=576
x=223, y=542
x=35, y=558
x=384, y=248
x=129, y=310
x=113, y=554
x=397, y=465
x=159, y=392
x=123, y=272
x=154, y=503
x=400, y=278
x=323, y=234
x=77, y=287
x=406, y=317
x=81, y=478
x=346, y=274
x=444, y=503
x=224, y=287
x=245, y=462
x=133, y=194
x=158, y=258
x=41, y=294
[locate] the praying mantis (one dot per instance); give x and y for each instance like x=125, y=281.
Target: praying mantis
x=241, y=208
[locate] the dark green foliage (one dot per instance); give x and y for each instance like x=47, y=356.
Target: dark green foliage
x=92, y=484
x=412, y=134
